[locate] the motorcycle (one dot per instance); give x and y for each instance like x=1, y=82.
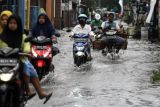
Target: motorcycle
x=12, y=89
x=111, y=48
x=81, y=49
x=41, y=55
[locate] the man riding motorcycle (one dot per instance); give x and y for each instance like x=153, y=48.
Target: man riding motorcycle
x=83, y=28
x=110, y=25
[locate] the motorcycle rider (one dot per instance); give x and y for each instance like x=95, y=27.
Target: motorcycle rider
x=44, y=27
x=97, y=22
x=108, y=25
x=3, y=19
x=121, y=25
x=84, y=28
x=12, y=36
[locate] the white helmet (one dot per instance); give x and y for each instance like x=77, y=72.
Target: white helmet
x=82, y=16
x=97, y=16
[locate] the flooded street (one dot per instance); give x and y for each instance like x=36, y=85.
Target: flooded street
x=124, y=82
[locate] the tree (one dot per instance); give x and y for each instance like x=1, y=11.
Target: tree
x=110, y=4
x=91, y=4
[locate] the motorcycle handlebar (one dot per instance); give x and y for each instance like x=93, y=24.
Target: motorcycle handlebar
x=24, y=54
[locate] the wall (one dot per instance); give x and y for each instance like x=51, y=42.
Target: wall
x=57, y=17
x=49, y=8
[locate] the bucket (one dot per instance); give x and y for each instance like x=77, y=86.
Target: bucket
x=131, y=31
x=144, y=33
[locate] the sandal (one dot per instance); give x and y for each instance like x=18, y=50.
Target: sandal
x=47, y=98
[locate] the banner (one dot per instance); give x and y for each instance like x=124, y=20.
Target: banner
x=152, y=6
x=121, y=4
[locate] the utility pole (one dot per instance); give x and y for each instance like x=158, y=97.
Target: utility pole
x=21, y=11
x=28, y=14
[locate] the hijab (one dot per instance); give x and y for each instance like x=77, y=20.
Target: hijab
x=47, y=28
x=13, y=38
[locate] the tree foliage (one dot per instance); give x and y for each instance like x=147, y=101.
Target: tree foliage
x=91, y=4
x=110, y=4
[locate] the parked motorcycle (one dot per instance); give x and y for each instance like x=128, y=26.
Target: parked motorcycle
x=12, y=89
x=41, y=55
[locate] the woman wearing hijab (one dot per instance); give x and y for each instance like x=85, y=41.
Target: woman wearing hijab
x=12, y=36
x=44, y=27
x=3, y=19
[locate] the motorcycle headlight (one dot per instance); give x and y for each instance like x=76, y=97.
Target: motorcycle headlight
x=47, y=53
x=34, y=53
x=98, y=36
x=80, y=48
x=80, y=54
x=7, y=74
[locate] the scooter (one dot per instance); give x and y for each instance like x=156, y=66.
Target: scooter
x=41, y=55
x=12, y=88
x=81, y=49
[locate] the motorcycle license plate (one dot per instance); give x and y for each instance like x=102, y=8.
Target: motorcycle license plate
x=81, y=39
x=8, y=62
x=41, y=47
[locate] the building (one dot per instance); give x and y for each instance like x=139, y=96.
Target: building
x=16, y=6
x=63, y=13
x=69, y=12
x=159, y=20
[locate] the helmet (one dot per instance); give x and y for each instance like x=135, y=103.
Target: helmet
x=82, y=16
x=97, y=16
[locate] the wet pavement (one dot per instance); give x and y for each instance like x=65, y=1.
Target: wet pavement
x=124, y=82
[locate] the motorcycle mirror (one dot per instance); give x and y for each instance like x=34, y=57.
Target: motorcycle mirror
x=69, y=30
x=57, y=34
